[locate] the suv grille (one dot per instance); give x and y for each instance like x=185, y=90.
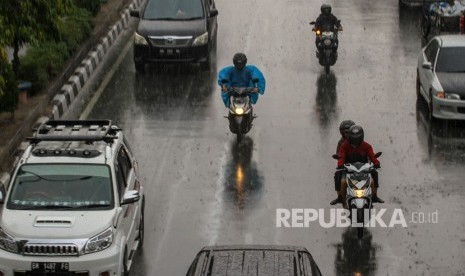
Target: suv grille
x=51, y=250
x=170, y=40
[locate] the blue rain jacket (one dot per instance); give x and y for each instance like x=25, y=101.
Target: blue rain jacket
x=241, y=78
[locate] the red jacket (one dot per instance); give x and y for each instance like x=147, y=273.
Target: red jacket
x=364, y=150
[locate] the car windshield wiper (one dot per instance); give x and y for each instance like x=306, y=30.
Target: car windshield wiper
x=463, y=71
x=161, y=18
x=61, y=207
x=42, y=207
x=191, y=18
x=21, y=172
x=89, y=206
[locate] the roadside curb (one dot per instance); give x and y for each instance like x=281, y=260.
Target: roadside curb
x=68, y=92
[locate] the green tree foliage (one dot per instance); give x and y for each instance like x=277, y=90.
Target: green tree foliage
x=8, y=86
x=75, y=28
x=43, y=62
x=93, y=6
x=30, y=22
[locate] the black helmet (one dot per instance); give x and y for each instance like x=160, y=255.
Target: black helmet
x=239, y=60
x=345, y=126
x=325, y=9
x=355, y=135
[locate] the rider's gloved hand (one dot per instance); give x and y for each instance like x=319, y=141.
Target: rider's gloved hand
x=377, y=166
x=255, y=90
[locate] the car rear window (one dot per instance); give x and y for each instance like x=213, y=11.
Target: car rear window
x=173, y=10
x=451, y=60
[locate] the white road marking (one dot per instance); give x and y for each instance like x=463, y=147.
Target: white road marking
x=105, y=82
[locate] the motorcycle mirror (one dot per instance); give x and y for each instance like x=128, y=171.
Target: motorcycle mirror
x=378, y=154
x=312, y=23
x=335, y=156
x=224, y=81
x=255, y=81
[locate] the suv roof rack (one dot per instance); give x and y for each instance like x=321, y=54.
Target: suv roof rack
x=75, y=130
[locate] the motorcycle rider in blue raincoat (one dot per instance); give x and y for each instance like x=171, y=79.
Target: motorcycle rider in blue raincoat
x=241, y=75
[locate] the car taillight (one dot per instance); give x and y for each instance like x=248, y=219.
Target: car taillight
x=462, y=24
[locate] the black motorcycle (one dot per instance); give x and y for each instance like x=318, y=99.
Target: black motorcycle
x=240, y=111
x=327, y=46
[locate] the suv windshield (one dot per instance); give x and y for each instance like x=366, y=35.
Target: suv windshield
x=451, y=60
x=173, y=10
x=61, y=187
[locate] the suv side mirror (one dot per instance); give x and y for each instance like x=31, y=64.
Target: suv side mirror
x=130, y=197
x=4, y=180
x=2, y=194
x=427, y=65
x=134, y=13
x=213, y=12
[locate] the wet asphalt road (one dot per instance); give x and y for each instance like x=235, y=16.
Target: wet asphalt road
x=203, y=189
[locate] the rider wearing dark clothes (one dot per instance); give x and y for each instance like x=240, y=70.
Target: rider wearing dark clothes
x=327, y=22
x=355, y=149
x=343, y=129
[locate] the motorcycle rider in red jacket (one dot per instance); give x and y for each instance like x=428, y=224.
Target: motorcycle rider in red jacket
x=355, y=149
x=343, y=129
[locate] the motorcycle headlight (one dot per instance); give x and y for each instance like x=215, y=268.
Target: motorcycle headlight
x=318, y=32
x=201, y=39
x=359, y=193
x=100, y=242
x=140, y=40
x=239, y=111
x=7, y=242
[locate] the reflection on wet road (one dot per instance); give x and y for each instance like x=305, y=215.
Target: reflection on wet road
x=326, y=98
x=202, y=188
x=243, y=180
x=355, y=256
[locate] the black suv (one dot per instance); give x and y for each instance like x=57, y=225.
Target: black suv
x=175, y=31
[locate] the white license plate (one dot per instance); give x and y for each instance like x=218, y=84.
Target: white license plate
x=49, y=267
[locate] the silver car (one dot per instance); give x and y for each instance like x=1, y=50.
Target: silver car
x=441, y=77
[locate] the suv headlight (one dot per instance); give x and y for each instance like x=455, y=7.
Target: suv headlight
x=7, y=242
x=139, y=40
x=201, y=39
x=452, y=96
x=99, y=242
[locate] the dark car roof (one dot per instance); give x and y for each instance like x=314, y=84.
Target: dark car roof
x=254, y=260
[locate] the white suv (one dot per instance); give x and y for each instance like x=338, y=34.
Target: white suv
x=74, y=205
